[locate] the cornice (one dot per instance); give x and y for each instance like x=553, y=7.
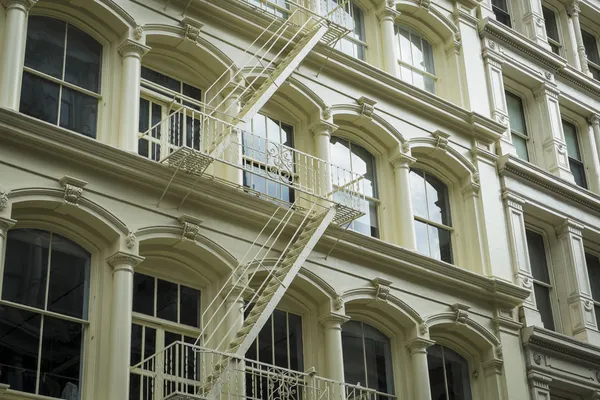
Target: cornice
x=557, y=343
x=510, y=165
x=81, y=151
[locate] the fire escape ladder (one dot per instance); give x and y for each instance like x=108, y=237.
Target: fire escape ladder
x=266, y=299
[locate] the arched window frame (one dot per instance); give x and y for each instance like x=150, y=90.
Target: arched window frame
x=97, y=33
x=355, y=43
x=89, y=347
x=457, y=346
x=405, y=67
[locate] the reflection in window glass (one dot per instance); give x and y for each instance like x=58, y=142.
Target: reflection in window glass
x=518, y=127
x=574, y=153
x=551, y=29
x=541, y=277
x=416, y=59
x=448, y=374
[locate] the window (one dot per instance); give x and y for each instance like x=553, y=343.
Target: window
x=156, y=301
x=551, y=29
x=591, y=50
x=574, y=153
x=43, y=313
x=278, y=8
x=358, y=160
x=367, y=357
x=169, y=115
x=269, y=164
x=350, y=15
x=61, y=75
x=448, y=374
x=518, y=127
x=541, y=277
x=433, y=224
x=500, y=8
x=593, y=268
x=416, y=59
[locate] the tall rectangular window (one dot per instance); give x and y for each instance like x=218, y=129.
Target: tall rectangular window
x=593, y=267
x=542, y=286
x=552, y=29
x=518, y=126
x=500, y=8
x=348, y=14
x=574, y=153
x=590, y=43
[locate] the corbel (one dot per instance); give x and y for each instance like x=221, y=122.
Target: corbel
x=382, y=288
x=73, y=190
x=461, y=312
x=190, y=226
x=367, y=107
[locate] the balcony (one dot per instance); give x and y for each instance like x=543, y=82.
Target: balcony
x=184, y=371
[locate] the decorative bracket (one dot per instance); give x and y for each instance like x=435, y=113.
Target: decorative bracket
x=191, y=227
x=461, y=311
x=367, y=106
x=73, y=189
x=382, y=288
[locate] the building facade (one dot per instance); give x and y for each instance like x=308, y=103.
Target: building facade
x=301, y=199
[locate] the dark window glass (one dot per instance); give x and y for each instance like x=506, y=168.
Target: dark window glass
x=39, y=98
x=161, y=79
x=143, y=294
x=189, y=306
x=84, y=57
x=551, y=28
x=295, y=340
x=448, y=374
x=149, y=341
x=166, y=300
x=593, y=267
x=280, y=338
x=574, y=153
x=544, y=305
x=500, y=8
x=45, y=48
x=136, y=344
x=591, y=47
x=78, y=112
x=265, y=343
x=537, y=257
x=19, y=348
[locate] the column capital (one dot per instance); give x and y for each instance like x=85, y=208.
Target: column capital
x=545, y=90
x=539, y=380
x=5, y=225
x=333, y=320
x=131, y=48
x=573, y=9
x=513, y=201
x=124, y=261
x=594, y=120
x=388, y=13
x=23, y=4
x=322, y=128
x=569, y=227
x=402, y=160
x=418, y=345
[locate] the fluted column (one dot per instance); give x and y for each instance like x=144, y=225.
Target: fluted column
x=120, y=323
x=387, y=18
x=131, y=53
x=5, y=225
x=334, y=360
x=405, y=224
x=13, y=52
x=418, y=354
x=574, y=13
x=322, y=131
x=594, y=139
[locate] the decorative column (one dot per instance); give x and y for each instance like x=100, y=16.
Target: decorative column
x=334, y=361
x=418, y=354
x=539, y=385
x=553, y=140
x=13, y=52
x=387, y=18
x=234, y=319
x=5, y=225
x=322, y=131
x=513, y=208
x=120, y=323
x=593, y=132
x=132, y=53
x=578, y=292
x=405, y=224
x=533, y=21
x=574, y=11
x=234, y=152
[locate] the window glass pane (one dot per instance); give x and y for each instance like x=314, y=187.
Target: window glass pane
x=136, y=344
x=143, y=294
x=166, y=300
x=501, y=4
x=435, y=365
x=591, y=47
x=265, y=344
x=61, y=358
x=578, y=171
x=78, y=112
x=280, y=338
x=26, y=267
x=189, y=306
x=593, y=267
x=84, y=57
x=45, y=48
x=135, y=383
x=441, y=245
x=544, y=305
x=502, y=16
x=39, y=98
x=363, y=163
x=515, y=113
x=597, y=312
x=340, y=156
x=417, y=193
x=352, y=347
x=521, y=147
x=378, y=360
x=429, y=84
x=422, y=237
x=405, y=46
x=295, y=340
x=149, y=341
x=571, y=139
x=161, y=79
x=19, y=346
x=537, y=257
x=428, y=57
x=192, y=91
x=144, y=119
x=417, y=51
x=437, y=200
x=550, y=21
x=457, y=375
x=69, y=278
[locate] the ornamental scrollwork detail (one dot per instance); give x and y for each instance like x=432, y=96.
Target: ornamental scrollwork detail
x=3, y=199
x=382, y=288
x=130, y=240
x=537, y=358
x=280, y=162
x=73, y=189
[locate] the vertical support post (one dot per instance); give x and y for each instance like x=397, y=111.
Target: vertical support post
x=13, y=52
x=334, y=362
x=594, y=121
x=513, y=207
x=593, y=132
x=234, y=152
x=234, y=319
x=322, y=131
x=553, y=142
x=405, y=223
x=533, y=21
x=5, y=225
x=418, y=354
x=574, y=11
x=132, y=53
x=120, y=327
x=387, y=18
x=539, y=385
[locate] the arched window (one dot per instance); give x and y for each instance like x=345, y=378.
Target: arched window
x=43, y=313
x=352, y=17
x=416, y=59
x=61, y=75
x=448, y=374
x=355, y=158
x=433, y=225
x=367, y=357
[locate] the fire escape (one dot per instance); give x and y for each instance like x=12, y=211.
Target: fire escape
x=214, y=366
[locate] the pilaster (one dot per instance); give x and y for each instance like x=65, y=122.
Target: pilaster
x=533, y=21
x=594, y=140
x=387, y=18
x=418, y=354
x=539, y=385
x=405, y=224
x=574, y=12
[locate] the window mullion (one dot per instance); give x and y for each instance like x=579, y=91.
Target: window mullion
x=364, y=346
x=287, y=340
x=39, y=363
x=445, y=373
x=47, y=288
